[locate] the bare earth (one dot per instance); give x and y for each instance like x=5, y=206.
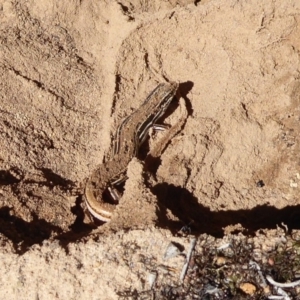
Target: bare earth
x=72, y=70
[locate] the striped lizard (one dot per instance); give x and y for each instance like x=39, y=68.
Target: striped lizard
x=130, y=134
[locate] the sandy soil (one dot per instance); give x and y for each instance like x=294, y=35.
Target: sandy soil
x=70, y=71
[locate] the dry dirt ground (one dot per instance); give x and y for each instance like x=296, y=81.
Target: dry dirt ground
x=72, y=70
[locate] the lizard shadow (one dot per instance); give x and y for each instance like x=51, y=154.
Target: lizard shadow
x=201, y=219
x=54, y=179
x=24, y=234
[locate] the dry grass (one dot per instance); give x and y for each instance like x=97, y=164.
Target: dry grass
x=235, y=267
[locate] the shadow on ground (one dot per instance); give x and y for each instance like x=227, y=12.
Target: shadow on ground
x=201, y=220
x=190, y=214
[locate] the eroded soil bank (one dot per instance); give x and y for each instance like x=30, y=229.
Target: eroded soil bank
x=70, y=72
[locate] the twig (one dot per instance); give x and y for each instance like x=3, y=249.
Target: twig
x=188, y=257
x=280, y=291
x=256, y=266
x=283, y=285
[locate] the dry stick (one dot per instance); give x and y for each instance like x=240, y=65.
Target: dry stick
x=188, y=258
x=282, y=285
x=277, y=298
x=255, y=265
x=280, y=291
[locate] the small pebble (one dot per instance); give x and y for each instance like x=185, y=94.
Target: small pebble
x=248, y=288
x=172, y=251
